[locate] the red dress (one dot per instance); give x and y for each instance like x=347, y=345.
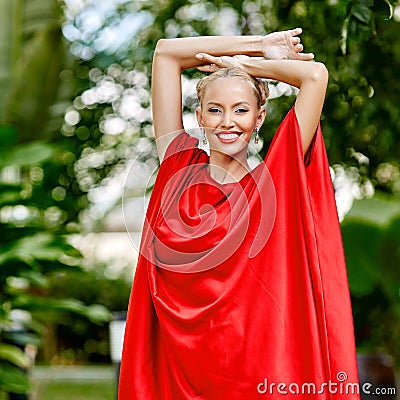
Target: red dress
x=240, y=290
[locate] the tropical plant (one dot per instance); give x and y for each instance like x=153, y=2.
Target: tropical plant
x=371, y=234
x=35, y=208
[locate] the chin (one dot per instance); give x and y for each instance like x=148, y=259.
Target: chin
x=231, y=150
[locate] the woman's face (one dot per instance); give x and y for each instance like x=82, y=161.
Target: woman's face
x=229, y=114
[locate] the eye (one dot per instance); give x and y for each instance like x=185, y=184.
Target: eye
x=242, y=110
x=213, y=110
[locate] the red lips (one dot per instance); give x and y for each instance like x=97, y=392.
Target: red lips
x=228, y=137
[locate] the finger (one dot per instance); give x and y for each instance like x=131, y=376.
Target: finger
x=304, y=56
x=208, y=68
x=207, y=58
x=295, y=40
x=295, y=31
x=299, y=47
x=203, y=68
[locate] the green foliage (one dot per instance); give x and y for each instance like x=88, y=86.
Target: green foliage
x=34, y=206
x=13, y=363
x=355, y=41
x=13, y=355
x=371, y=236
x=362, y=17
x=36, y=82
x=79, y=339
x=12, y=379
x=32, y=59
x=27, y=154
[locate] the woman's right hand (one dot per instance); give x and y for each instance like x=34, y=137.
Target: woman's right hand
x=284, y=45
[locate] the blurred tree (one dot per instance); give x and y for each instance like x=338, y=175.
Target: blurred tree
x=78, y=341
x=371, y=235
x=34, y=57
x=35, y=208
x=361, y=124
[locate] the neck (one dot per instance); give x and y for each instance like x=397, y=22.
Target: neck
x=224, y=168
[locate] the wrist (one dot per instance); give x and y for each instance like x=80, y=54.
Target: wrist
x=266, y=42
x=246, y=63
x=255, y=46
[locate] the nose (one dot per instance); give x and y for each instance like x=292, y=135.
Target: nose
x=227, y=120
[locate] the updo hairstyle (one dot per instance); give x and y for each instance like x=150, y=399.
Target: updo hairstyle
x=260, y=87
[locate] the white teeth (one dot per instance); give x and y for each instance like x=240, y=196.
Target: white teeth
x=228, y=136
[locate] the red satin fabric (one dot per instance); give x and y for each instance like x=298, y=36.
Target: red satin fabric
x=243, y=285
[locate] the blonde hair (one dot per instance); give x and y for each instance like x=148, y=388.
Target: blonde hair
x=260, y=87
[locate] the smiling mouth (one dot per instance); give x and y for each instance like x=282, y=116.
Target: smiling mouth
x=228, y=137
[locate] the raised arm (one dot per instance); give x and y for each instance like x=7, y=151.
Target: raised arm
x=172, y=56
x=310, y=77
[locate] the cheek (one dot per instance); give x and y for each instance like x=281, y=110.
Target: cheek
x=211, y=120
x=249, y=122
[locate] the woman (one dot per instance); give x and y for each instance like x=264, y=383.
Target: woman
x=240, y=290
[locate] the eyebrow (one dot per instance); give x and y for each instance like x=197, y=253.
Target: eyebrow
x=234, y=105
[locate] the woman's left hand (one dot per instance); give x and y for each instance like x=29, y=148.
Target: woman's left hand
x=284, y=45
x=212, y=63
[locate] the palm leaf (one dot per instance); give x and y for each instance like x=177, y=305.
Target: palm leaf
x=10, y=44
x=32, y=58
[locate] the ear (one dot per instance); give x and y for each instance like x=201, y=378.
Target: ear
x=261, y=117
x=199, y=117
